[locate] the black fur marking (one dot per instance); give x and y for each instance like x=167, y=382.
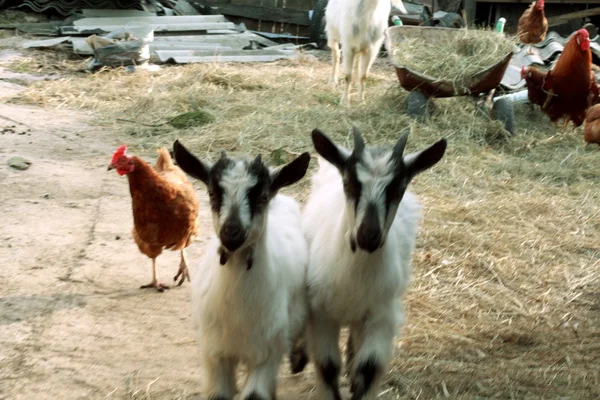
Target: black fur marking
x=254, y=396
x=363, y=378
x=352, y=186
x=217, y=397
x=259, y=195
x=329, y=372
x=223, y=256
x=215, y=192
x=298, y=359
x=395, y=191
x=369, y=232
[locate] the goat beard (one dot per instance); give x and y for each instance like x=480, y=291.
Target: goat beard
x=350, y=238
x=248, y=252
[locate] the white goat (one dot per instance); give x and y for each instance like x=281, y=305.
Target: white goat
x=249, y=294
x=359, y=26
x=361, y=226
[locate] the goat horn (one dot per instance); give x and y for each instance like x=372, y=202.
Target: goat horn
x=359, y=143
x=400, y=145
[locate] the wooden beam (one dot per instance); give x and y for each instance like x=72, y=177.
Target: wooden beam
x=285, y=15
x=563, y=19
x=470, y=7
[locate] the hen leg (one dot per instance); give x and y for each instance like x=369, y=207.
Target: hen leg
x=155, y=283
x=183, y=269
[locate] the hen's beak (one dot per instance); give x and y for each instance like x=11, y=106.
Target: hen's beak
x=111, y=167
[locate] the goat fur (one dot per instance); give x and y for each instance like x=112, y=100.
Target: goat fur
x=253, y=315
x=358, y=25
x=356, y=289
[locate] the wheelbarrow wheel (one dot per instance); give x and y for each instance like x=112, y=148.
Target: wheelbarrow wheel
x=503, y=111
x=419, y=105
x=317, y=26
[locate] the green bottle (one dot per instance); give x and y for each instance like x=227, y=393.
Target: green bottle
x=396, y=20
x=500, y=25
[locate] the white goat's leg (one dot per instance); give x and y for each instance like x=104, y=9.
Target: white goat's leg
x=368, y=58
x=220, y=378
x=323, y=340
x=375, y=350
x=364, y=67
x=335, y=62
x=356, y=69
x=262, y=380
x=348, y=62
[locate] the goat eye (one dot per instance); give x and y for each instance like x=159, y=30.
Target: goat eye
x=264, y=198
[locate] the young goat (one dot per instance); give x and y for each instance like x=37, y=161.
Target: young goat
x=361, y=226
x=249, y=294
x=359, y=26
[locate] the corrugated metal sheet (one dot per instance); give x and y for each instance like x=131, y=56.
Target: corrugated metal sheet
x=68, y=7
x=544, y=54
x=200, y=45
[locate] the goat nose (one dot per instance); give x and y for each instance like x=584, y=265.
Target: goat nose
x=231, y=230
x=369, y=238
x=232, y=236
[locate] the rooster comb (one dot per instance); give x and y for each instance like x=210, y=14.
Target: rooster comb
x=583, y=32
x=119, y=153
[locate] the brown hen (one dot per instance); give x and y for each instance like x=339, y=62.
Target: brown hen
x=591, y=132
x=165, y=208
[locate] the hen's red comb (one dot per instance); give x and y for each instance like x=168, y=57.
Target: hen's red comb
x=584, y=33
x=119, y=153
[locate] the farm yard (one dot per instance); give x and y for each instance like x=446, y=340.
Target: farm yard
x=504, y=301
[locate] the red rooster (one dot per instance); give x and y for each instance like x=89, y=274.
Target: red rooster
x=165, y=208
x=533, y=24
x=569, y=88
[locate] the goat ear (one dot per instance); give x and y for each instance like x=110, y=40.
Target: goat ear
x=423, y=160
x=328, y=150
x=190, y=164
x=290, y=173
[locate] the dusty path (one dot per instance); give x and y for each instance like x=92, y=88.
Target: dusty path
x=74, y=323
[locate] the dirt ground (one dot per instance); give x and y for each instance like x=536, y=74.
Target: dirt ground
x=74, y=323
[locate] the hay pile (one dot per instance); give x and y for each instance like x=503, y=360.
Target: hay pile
x=504, y=300
x=455, y=59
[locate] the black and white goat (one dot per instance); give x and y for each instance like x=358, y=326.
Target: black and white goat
x=361, y=226
x=249, y=294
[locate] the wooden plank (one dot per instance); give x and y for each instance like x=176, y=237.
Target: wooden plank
x=265, y=13
x=563, y=19
x=470, y=7
x=73, y=30
x=112, y=13
x=182, y=57
x=131, y=21
x=303, y=5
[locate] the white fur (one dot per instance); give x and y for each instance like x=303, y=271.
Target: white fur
x=254, y=315
x=358, y=25
x=360, y=290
